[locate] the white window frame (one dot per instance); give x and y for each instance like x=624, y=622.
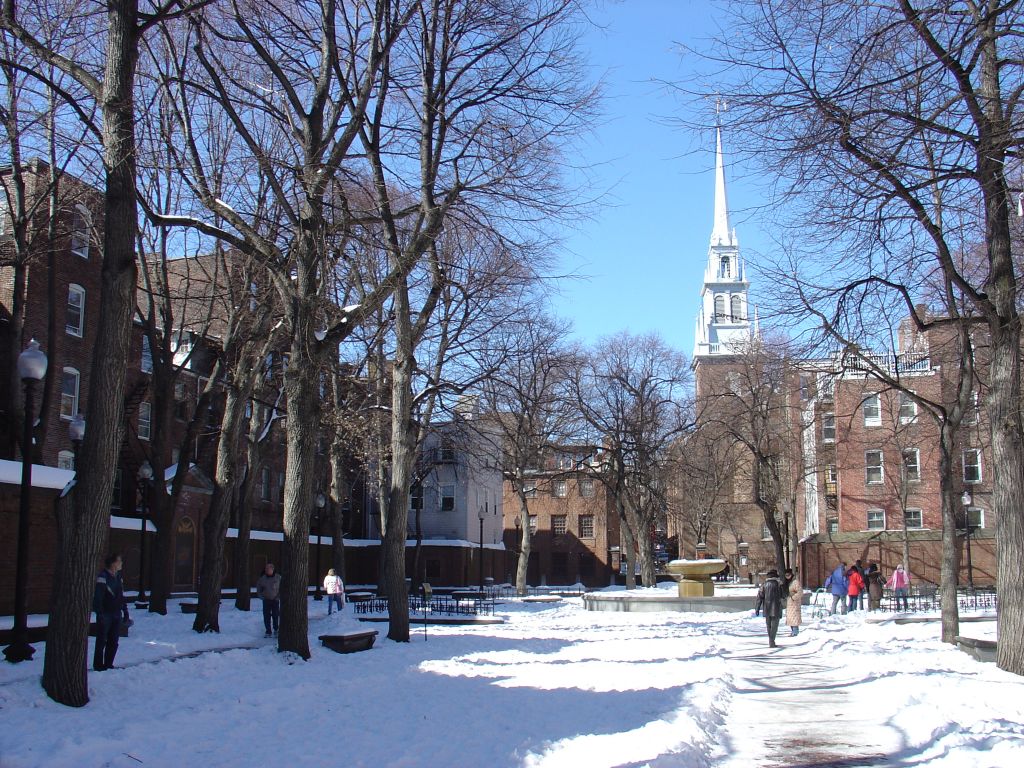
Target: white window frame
x=416, y=497
x=564, y=525
x=586, y=485
x=559, y=489
x=976, y=513
x=920, y=518
x=81, y=227
x=972, y=479
x=916, y=476
x=69, y=401
x=876, y=513
x=826, y=386
x=736, y=308
x=876, y=406
x=879, y=465
x=720, y=304
x=144, y=427
x=828, y=425
x=581, y=527
x=75, y=290
x=908, y=409
x=66, y=460
x=446, y=492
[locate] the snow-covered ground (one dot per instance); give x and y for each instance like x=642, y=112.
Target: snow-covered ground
x=553, y=686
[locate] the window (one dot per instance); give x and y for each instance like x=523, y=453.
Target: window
x=876, y=519
x=533, y=524
x=180, y=401
x=805, y=390
x=833, y=524
x=719, y=309
x=69, y=393
x=826, y=386
x=913, y=518
x=828, y=427
x=586, y=526
x=530, y=491
x=972, y=465
x=873, y=472
x=558, y=525
x=912, y=465
x=447, y=450
x=147, y=355
x=872, y=411
x=65, y=460
x=736, y=308
x=766, y=532
x=265, y=484
x=908, y=408
x=145, y=420
x=448, y=497
x=724, y=267
x=81, y=223
x=976, y=517
x=559, y=489
x=586, y=488
x=831, y=486
x=74, y=320
x=416, y=497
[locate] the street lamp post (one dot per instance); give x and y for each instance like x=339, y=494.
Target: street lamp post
x=481, y=514
x=144, y=475
x=321, y=501
x=31, y=369
x=968, y=500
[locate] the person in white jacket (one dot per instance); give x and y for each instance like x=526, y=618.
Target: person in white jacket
x=335, y=590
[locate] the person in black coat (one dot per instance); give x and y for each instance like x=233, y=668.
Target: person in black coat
x=773, y=596
x=110, y=607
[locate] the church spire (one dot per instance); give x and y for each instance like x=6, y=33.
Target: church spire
x=721, y=234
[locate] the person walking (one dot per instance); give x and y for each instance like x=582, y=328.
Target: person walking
x=773, y=597
x=335, y=590
x=875, y=583
x=794, y=599
x=837, y=584
x=111, y=609
x=855, y=585
x=899, y=582
x=268, y=589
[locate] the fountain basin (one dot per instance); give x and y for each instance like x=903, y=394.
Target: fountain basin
x=694, y=576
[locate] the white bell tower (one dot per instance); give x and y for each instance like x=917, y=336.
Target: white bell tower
x=723, y=322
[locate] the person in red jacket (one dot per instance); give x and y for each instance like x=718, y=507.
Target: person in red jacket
x=853, y=591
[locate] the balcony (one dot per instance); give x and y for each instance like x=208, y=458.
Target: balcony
x=892, y=365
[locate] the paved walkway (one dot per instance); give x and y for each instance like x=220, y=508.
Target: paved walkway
x=801, y=710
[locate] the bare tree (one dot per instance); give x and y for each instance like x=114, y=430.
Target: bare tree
x=631, y=392
x=896, y=124
x=701, y=469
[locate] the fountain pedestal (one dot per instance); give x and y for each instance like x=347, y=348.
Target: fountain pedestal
x=694, y=576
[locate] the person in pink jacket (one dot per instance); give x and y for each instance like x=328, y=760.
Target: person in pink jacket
x=899, y=582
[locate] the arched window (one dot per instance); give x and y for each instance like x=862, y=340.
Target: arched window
x=81, y=224
x=736, y=308
x=74, y=321
x=725, y=269
x=69, y=393
x=719, y=309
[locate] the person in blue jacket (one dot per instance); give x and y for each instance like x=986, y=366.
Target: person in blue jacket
x=110, y=607
x=837, y=584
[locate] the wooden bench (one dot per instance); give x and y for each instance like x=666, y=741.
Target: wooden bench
x=350, y=642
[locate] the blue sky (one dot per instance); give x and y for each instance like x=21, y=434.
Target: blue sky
x=643, y=253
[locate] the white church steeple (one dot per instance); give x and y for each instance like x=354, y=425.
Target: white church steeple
x=723, y=323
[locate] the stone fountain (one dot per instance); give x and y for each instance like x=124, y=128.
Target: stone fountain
x=694, y=576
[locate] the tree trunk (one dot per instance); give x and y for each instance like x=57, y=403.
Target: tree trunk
x=950, y=567
x=161, y=560
x=215, y=526
x=243, y=576
x=302, y=390
x=83, y=529
x=525, y=542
